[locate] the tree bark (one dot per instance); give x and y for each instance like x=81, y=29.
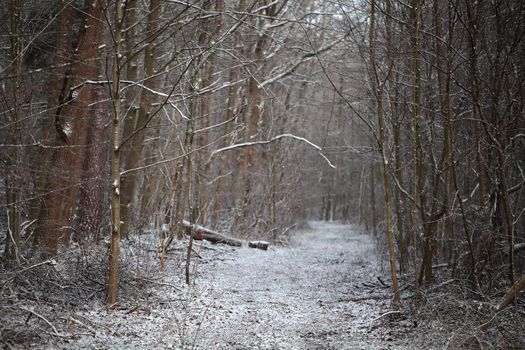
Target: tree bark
x=382, y=149
x=13, y=163
x=59, y=83
x=95, y=164
x=129, y=181
x=114, y=251
x=72, y=125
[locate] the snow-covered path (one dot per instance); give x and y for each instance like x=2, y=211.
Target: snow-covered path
x=321, y=292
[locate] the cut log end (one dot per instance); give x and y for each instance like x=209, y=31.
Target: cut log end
x=263, y=245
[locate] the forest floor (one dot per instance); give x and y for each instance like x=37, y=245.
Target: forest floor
x=320, y=292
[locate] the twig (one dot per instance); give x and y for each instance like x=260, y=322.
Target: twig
x=483, y=327
x=507, y=299
x=370, y=297
x=80, y=323
x=47, y=262
x=287, y=229
x=138, y=308
x=440, y=285
x=160, y=283
x=305, y=58
x=196, y=253
x=439, y=265
x=43, y=319
x=383, y=283
x=133, y=309
x=381, y=316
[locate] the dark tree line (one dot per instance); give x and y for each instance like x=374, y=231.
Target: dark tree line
x=448, y=92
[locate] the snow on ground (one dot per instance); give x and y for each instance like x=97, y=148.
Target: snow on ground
x=320, y=292
x=295, y=297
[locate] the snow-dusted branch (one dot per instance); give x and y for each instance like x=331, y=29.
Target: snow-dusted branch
x=275, y=138
x=128, y=83
x=305, y=58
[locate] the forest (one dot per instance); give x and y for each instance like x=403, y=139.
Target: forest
x=130, y=130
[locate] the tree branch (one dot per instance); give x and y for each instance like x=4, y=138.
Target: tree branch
x=275, y=138
x=305, y=58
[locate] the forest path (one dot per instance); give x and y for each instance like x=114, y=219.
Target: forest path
x=320, y=292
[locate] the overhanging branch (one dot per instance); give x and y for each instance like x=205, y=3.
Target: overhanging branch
x=275, y=138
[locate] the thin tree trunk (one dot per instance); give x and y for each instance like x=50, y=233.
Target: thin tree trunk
x=114, y=252
x=443, y=73
x=373, y=198
x=360, y=205
x=384, y=158
x=189, y=198
x=209, y=33
x=13, y=170
x=418, y=174
x=131, y=104
x=231, y=110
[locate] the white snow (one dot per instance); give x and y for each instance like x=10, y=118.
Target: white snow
x=320, y=292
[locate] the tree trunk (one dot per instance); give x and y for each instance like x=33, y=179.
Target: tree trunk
x=132, y=53
x=373, y=206
x=443, y=72
x=72, y=125
x=129, y=181
x=221, y=199
x=382, y=150
x=95, y=164
x=114, y=251
x=13, y=168
x=59, y=83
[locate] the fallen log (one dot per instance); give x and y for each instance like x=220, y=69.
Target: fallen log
x=202, y=233
x=263, y=245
